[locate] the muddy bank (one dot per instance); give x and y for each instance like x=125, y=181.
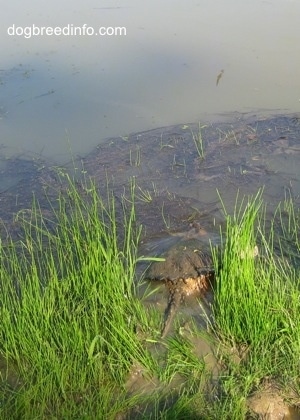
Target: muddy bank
x=177, y=171
x=188, y=163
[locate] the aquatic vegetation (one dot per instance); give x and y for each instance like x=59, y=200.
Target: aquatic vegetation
x=166, y=218
x=68, y=307
x=198, y=141
x=135, y=157
x=78, y=341
x=144, y=195
x=229, y=136
x=256, y=309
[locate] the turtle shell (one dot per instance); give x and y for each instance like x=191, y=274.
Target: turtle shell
x=183, y=261
x=187, y=270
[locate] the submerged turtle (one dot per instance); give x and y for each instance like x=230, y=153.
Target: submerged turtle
x=186, y=270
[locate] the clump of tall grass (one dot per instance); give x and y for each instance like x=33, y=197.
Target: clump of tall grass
x=68, y=308
x=70, y=315
x=257, y=306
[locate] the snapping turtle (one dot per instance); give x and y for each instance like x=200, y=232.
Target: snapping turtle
x=187, y=270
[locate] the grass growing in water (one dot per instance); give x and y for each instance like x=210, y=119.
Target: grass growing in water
x=257, y=307
x=198, y=141
x=69, y=311
x=70, y=314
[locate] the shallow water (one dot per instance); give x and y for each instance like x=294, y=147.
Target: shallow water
x=174, y=185
x=243, y=154
x=175, y=188
x=62, y=91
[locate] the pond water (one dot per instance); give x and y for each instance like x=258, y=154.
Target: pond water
x=231, y=65
x=175, y=63
x=178, y=62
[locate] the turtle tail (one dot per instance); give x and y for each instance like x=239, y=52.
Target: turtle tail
x=175, y=299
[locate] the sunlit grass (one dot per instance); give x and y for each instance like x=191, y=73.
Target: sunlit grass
x=257, y=306
x=69, y=310
x=72, y=327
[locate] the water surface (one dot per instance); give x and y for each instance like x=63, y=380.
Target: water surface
x=62, y=92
